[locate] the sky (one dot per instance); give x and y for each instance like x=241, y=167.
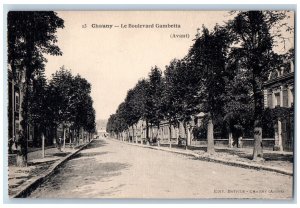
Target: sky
x=114, y=59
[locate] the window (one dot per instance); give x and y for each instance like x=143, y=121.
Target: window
x=291, y=96
x=17, y=102
x=277, y=99
x=17, y=126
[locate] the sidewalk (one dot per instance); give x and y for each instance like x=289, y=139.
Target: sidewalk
x=21, y=177
x=281, y=162
x=275, y=159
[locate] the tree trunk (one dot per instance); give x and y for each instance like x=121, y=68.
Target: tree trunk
x=240, y=142
x=136, y=134
x=147, y=130
x=188, y=137
x=257, y=147
x=22, y=147
x=258, y=107
x=21, y=159
x=230, y=140
x=157, y=134
x=82, y=136
x=22, y=152
x=74, y=138
x=257, y=150
x=152, y=132
x=43, y=145
x=13, y=135
x=133, y=134
x=177, y=133
x=64, y=137
x=128, y=135
x=210, y=137
x=191, y=134
x=142, y=133
x=71, y=135
x=22, y=134
x=170, y=135
x=78, y=137
x=186, y=134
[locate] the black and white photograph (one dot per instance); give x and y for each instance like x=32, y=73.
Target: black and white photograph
x=185, y=104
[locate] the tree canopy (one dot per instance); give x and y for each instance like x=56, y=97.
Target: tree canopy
x=222, y=75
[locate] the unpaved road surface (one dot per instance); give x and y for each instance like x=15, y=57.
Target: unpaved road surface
x=111, y=169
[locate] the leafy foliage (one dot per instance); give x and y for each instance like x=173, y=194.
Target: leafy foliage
x=222, y=75
x=31, y=35
x=209, y=59
x=71, y=100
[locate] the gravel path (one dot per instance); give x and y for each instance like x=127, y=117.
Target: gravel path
x=109, y=169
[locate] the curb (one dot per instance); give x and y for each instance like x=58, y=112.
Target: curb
x=36, y=182
x=225, y=162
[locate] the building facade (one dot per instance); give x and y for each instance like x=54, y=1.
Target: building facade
x=279, y=94
x=13, y=109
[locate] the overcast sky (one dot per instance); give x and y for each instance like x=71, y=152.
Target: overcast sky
x=113, y=60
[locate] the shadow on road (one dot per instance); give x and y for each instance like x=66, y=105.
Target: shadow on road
x=88, y=154
x=61, y=154
x=96, y=143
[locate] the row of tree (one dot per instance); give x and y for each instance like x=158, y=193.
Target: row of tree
x=222, y=75
x=65, y=100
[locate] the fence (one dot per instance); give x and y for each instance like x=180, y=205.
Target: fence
x=268, y=143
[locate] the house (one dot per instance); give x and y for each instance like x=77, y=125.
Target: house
x=138, y=132
x=279, y=94
x=279, y=89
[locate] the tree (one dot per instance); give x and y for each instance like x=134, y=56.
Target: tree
x=132, y=110
x=71, y=102
x=30, y=36
x=142, y=102
x=170, y=105
x=179, y=97
x=209, y=58
x=121, y=124
x=154, y=97
x=255, y=41
x=39, y=114
x=90, y=125
x=238, y=102
x=110, y=127
x=62, y=91
x=82, y=113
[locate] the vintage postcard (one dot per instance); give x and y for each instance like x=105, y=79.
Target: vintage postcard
x=151, y=104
